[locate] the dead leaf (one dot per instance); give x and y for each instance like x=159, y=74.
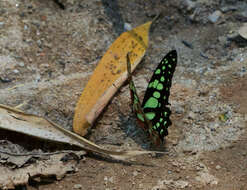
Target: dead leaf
x=53, y=166
x=109, y=75
x=35, y=126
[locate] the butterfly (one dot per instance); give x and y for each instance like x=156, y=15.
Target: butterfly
x=153, y=115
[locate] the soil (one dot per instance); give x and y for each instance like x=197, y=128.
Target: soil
x=49, y=49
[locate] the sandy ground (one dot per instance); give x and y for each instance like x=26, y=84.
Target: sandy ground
x=48, y=50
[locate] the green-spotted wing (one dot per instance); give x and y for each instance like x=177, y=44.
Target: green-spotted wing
x=153, y=114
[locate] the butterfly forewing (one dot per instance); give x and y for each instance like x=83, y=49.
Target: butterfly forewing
x=157, y=94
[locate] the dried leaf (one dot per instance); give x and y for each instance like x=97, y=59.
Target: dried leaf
x=35, y=126
x=10, y=178
x=109, y=75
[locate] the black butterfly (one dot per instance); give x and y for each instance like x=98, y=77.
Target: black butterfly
x=153, y=113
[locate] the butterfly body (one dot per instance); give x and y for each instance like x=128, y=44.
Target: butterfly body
x=153, y=115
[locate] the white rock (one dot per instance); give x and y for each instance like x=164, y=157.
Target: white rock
x=77, y=186
x=218, y=167
x=214, y=16
x=127, y=26
x=243, y=31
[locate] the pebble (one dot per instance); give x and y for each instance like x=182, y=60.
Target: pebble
x=198, y=168
x=182, y=184
x=39, y=43
x=223, y=40
x=16, y=71
x=25, y=27
x=4, y=80
x=190, y=5
x=135, y=173
x=127, y=26
x=1, y=24
x=218, y=167
x=176, y=164
x=110, y=179
x=201, y=165
x=191, y=115
x=193, y=17
x=214, y=182
x=214, y=17
x=226, y=9
x=21, y=64
x=77, y=186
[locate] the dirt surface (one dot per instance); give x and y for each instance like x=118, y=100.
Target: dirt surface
x=49, y=49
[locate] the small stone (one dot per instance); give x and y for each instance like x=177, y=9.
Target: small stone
x=77, y=186
x=25, y=27
x=127, y=26
x=5, y=80
x=21, y=64
x=226, y=9
x=176, y=164
x=44, y=65
x=218, y=167
x=214, y=182
x=16, y=71
x=135, y=173
x=1, y=24
x=201, y=165
x=222, y=39
x=198, y=168
x=39, y=43
x=193, y=17
x=169, y=172
x=213, y=18
x=191, y=115
x=182, y=184
x=190, y=5
x=179, y=109
x=110, y=179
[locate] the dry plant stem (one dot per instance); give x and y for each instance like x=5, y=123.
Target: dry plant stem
x=33, y=154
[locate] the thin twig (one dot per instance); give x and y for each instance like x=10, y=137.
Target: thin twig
x=33, y=154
